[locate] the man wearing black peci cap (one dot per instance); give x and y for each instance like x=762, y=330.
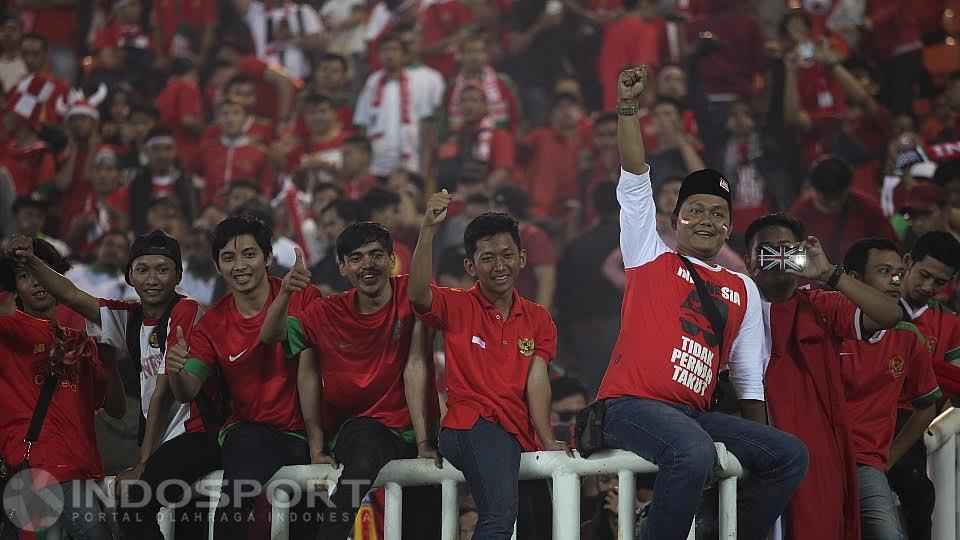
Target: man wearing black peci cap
x=661, y=377
x=174, y=445
x=30, y=219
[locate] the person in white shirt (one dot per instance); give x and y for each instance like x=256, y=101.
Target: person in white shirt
x=199, y=273
x=397, y=110
x=104, y=277
x=286, y=34
x=12, y=68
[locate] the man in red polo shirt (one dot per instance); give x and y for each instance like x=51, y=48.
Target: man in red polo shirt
x=320, y=150
x=379, y=402
x=234, y=155
x=181, y=107
x=892, y=367
x=497, y=348
x=932, y=263
x=184, y=28
x=662, y=374
x=266, y=430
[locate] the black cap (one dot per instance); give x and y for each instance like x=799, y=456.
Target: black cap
x=31, y=200
x=707, y=182
x=155, y=243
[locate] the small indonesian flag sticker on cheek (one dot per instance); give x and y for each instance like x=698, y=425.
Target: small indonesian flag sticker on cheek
x=684, y=221
x=896, y=278
x=724, y=184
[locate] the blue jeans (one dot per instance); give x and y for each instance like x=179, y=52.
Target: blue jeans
x=680, y=441
x=879, y=519
x=489, y=459
x=83, y=517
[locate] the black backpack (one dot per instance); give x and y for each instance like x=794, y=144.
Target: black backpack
x=212, y=415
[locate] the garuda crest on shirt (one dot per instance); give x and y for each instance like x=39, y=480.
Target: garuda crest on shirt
x=526, y=346
x=932, y=344
x=896, y=366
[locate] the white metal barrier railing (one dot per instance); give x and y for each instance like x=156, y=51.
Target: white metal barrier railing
x=943, y=465
x=562, y=469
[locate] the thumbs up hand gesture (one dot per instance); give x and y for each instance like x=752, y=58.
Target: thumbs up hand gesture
x=298, y=278
x=437, y=208
x=178, y=354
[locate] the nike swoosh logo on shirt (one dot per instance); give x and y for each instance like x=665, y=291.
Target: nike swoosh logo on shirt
x=845, y=353
x=235, y=357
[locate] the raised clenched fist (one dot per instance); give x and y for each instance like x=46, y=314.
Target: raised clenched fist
x=632, y=83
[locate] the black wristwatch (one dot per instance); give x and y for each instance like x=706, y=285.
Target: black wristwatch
x=834, y=278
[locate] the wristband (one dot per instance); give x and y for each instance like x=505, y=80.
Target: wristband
x=834, y=278
x=627, y=110
x=431, y=441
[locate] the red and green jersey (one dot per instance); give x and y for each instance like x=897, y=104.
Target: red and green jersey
x=261, y=380
x=361, y=356
x=67, y=447
x=941, y=328
x=877, y=374
x=488, y=357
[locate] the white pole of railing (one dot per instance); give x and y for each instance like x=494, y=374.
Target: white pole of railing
x=217, y=478
x=166, y=518
x=393, y=512
x=728, y=508
x=626, y=505
x=941, y=442
x=280, y=514
x=449, y=510
x=566, y=505
x=956, y=476
x=692, y=535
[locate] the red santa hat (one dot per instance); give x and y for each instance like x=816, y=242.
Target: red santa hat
x=30, y=99
x=77, y=102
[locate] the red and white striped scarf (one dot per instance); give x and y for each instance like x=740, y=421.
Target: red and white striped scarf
x=496, y=104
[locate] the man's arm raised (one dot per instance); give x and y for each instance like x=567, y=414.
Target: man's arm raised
x=20, y=249
x=421, y=267
x=274, y=326
x=631, y=83
x=184, y=385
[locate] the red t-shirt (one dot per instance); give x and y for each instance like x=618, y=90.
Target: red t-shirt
x=439, y=21
x=220, y=164
x=628, y=41
x=864, y=218
x=58, y=25
x=677, y=362
x=258, y=130
x=820, y=96
x=878, y=374
x=261, y=380
x=551, y=173
x=29, y=166
x=268, y=102
x=67, y=447
x=181, y=98
x=539, y=252
x=488, y=358
x=170, y=15
x=356, y=188
x=330, y=150
x=941, y=328
x=116, y=35
x=361, y=356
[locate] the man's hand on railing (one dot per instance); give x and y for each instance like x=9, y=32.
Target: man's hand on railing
x=321, y=458
x=428, y=450
x=558, y=445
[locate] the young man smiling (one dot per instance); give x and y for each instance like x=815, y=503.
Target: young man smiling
x=497, y=348
x=803, y=333
x=661, y=377
x=172, y=447
x=379, y=402
x=266, y=430
x=892, y=367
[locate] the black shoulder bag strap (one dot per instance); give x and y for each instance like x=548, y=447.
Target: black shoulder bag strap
x=724, y=398
x=43, y=401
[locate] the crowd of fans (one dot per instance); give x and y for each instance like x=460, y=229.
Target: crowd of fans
x=126, y=117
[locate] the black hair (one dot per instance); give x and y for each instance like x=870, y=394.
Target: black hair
x=181, y=66
x=259, y=209
x=240, y=78
x=477, y=198
x=569, y=97
x=790, y=15
x=360, y=234
x=242, y=182
x=774, y=220
x=324, y=186
x=44, y=251
x=235, y=226
x=667, y=100
x=947, y=172
x=37, y=37
x=476, y=34
x=514, y=198
x=605, y=201
x=164, y=201
x=564, y=387
x=145, y=109
x=361, y=141
x=339, y=58
x=317, y=99
x=605, y=118
x=393, y=37
x=939, y=245
x=831, y=175
x=486, y=225
x=450, y=262
x=349, y=210
x=159, y=131
x=379, y=198
x=856, y=258
x=113, y=232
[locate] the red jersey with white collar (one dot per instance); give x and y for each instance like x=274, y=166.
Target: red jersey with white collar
x=667, y=349
x=941, y=328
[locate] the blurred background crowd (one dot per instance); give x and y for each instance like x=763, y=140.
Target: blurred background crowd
x=126, y=116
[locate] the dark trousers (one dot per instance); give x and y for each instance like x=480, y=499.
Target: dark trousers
x=363, y=447
x=908, y=479
x=177, y=463
x=251, y=455
x=489, y=459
